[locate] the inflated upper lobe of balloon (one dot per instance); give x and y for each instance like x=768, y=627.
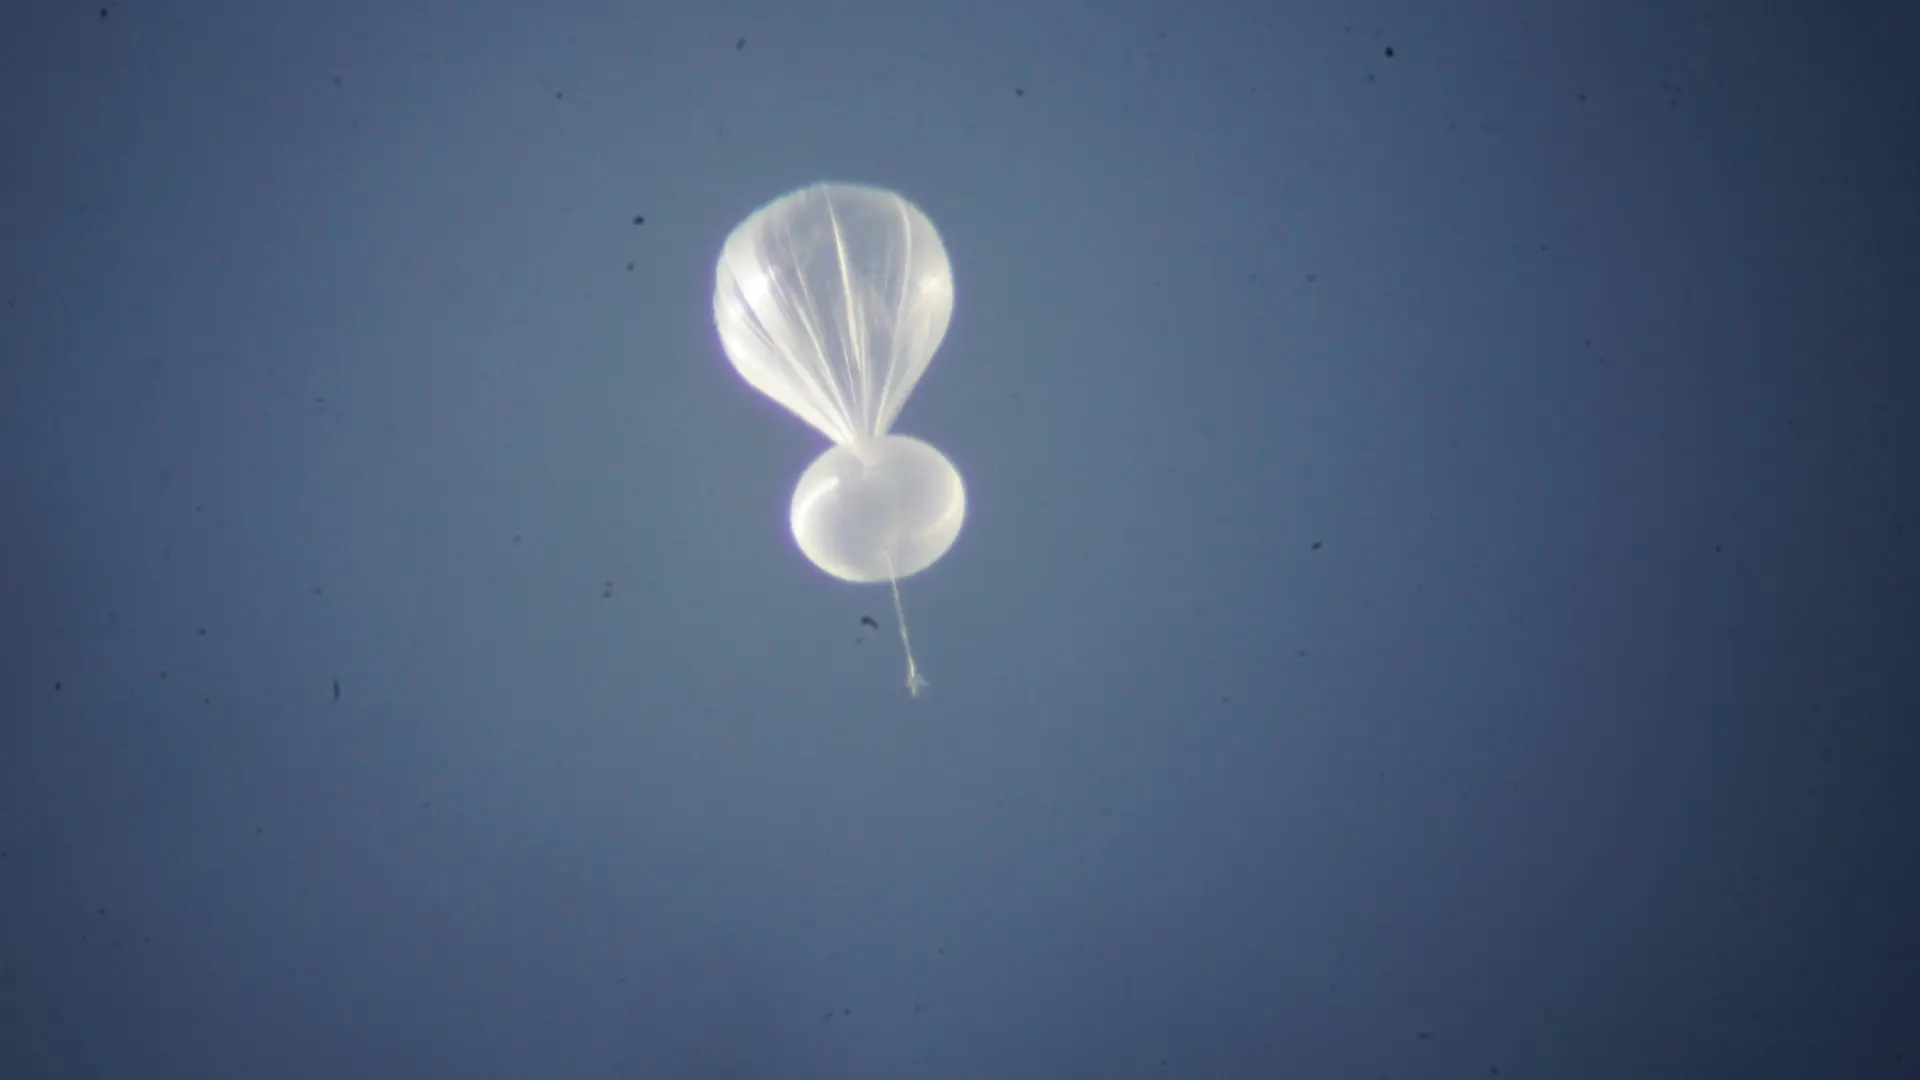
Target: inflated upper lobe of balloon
x=831, y=301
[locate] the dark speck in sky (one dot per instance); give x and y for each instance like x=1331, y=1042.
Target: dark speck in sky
x=1017, y=92
x=741, y=44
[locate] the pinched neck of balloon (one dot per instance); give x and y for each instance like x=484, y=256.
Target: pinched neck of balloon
x=867, y=446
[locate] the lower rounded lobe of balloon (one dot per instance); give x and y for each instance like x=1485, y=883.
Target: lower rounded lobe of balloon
x=879, y=509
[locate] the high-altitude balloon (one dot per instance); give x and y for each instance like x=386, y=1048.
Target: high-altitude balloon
x=831, y=301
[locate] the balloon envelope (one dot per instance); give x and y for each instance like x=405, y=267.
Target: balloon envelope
x=878, y=509
x=831, y=300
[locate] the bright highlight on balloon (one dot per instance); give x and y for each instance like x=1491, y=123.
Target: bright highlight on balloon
x=831, y=301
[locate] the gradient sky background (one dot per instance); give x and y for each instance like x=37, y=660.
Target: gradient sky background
x=1437, y=595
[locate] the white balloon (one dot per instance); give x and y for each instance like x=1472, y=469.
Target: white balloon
x=831, y=300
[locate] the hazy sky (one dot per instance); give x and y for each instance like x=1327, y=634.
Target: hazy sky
x=1438, y=594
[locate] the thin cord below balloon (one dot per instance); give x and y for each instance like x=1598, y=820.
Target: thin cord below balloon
x=915, y=683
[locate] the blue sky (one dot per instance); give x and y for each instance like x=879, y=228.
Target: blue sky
x=1436, y=598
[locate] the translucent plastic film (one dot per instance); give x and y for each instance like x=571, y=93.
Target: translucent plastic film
x=831, y=301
